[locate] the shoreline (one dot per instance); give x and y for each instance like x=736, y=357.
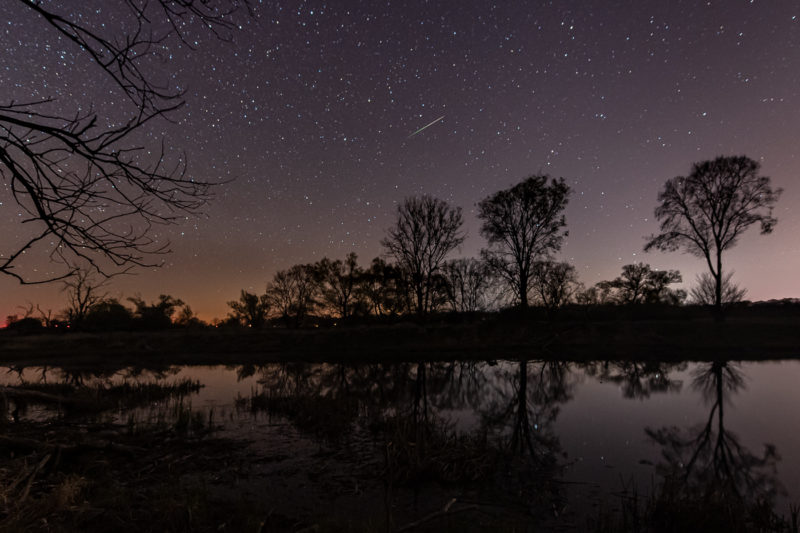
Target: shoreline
x=663, y=340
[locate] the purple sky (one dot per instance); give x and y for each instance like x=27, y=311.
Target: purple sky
x=310, y=109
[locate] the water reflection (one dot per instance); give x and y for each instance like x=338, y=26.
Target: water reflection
x=639, y=379
x=706, y=467
x=489, y=435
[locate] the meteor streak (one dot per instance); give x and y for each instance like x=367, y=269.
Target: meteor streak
x=425, y=126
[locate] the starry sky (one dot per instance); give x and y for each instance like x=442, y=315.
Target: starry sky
x=305, y=118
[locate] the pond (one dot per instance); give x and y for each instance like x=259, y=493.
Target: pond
x=395, y=444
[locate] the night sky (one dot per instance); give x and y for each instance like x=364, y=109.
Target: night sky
x=310, y=108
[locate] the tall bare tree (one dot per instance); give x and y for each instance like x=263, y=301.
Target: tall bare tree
x=523, y=224
x=707, y=211
x=426, y=231
x=83, y=290
x=89, y=191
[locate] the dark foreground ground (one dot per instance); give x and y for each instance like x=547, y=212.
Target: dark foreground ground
x=700, y=339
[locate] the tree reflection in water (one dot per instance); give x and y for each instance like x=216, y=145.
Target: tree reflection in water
x=527, y=403
x=476, y=431
x=638, y=379
x=418, y=435
x=708, y=474
x=519, y=412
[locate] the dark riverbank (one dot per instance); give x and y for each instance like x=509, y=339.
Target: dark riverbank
x=495, y=337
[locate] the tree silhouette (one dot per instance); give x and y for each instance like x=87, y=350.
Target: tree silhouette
x=639, y=283
x=383, y=289
x=107, y=315
x=554, y=283
x=427, y=229
x=82, y=291
x=523, y=224
x=658, y=290
x=187, y=319
x=600, y=293
x=704, y=292
x=467, y=284
x=706, y=212
x=157, y=315
x=89, y=191
x=338, y=283
x=631, y=284
x=292, y=293
x=250, y=310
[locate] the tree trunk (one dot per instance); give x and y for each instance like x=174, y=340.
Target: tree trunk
x=718, y=288
x=420, y=301
x=523, y=292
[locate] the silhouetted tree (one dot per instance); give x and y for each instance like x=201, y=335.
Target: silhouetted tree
x=639, y=283
x=704, y=292
x=338, y=283
x=631, y=285
x=83, y=291
x=27, y=310
x=554, y=283
x=658, y=291
x=187, y=319
x=600, y=293
x=250, y=310
x=523, y=224
x=80, y=176
x=157, y=315
x=467, y=283
x=108, y=315
x=383, y=289
x=46, y=316
x=291, y=293
x=706, y=212
x=427, y=229
x=26, y=324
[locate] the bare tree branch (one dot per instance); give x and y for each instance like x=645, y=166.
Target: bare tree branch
x=92, y=192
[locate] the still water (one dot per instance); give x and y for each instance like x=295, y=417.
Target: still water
x=577, y=436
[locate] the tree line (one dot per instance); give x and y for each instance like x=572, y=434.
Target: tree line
x=703, y=213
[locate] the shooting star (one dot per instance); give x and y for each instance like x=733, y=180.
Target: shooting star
x=426, y=126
